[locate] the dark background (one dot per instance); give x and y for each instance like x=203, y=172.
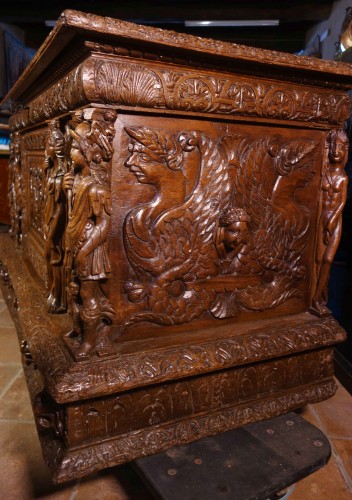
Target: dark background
x=296, y=17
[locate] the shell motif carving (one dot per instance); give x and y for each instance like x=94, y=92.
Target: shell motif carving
x=129, y=83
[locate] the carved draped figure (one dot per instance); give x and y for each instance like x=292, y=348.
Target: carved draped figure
x=89, y=201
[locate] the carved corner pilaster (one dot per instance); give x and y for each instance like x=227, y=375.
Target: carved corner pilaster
x=86, y=186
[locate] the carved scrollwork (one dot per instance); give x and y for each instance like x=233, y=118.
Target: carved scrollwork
x=244, y=97
x=194, y=94
x=279, y=104
x=213, y=250
x=117, y=81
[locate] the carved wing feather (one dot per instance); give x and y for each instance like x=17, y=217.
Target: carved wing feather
x=251, y=192
x=195, y=220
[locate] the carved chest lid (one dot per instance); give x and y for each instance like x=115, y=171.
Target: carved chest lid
x=76, y=35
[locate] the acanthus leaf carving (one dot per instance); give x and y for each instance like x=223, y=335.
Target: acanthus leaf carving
x=119, y=81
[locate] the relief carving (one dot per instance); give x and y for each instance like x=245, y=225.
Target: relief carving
x=129, y=83
x=118, y=81
x=129, y=31
x=278, y=222
x=63, y=96
x=279, y=104
x=169, y=240
x=55, y=217
x=101, y=418
x=194, y=94
x=132, y=445
x=87, y=187
x=48, y=415
x=333, y=197
x=212, y=249
x=37, y=193
x=15, y=188
x=35, y=141
x=212, y=221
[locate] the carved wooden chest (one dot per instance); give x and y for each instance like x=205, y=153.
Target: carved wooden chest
x=175, y=208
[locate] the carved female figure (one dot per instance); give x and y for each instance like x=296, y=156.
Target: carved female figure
x=55, y=217
x=334, y=192
x=86, y=234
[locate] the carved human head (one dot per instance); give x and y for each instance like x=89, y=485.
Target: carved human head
x=232, y=215
x=233, y=228
x=159, y=146
x=337, y=142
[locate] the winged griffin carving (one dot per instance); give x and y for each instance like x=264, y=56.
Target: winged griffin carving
x=225, y=231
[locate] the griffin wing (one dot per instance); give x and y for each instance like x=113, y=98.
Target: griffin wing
x=186, y=232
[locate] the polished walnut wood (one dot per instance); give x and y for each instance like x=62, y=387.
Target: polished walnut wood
x=175, y=209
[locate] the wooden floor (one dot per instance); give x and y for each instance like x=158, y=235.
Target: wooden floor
x=24, y=475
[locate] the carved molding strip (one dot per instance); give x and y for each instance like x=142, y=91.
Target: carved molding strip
x=67, y=94
x=191, y=91
x=125, y=372
x=130, y=84
x=150, y=441
x=192, y=43
x=102, y=418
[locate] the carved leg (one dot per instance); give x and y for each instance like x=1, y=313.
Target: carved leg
x=320, y=296
x=90, y=315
